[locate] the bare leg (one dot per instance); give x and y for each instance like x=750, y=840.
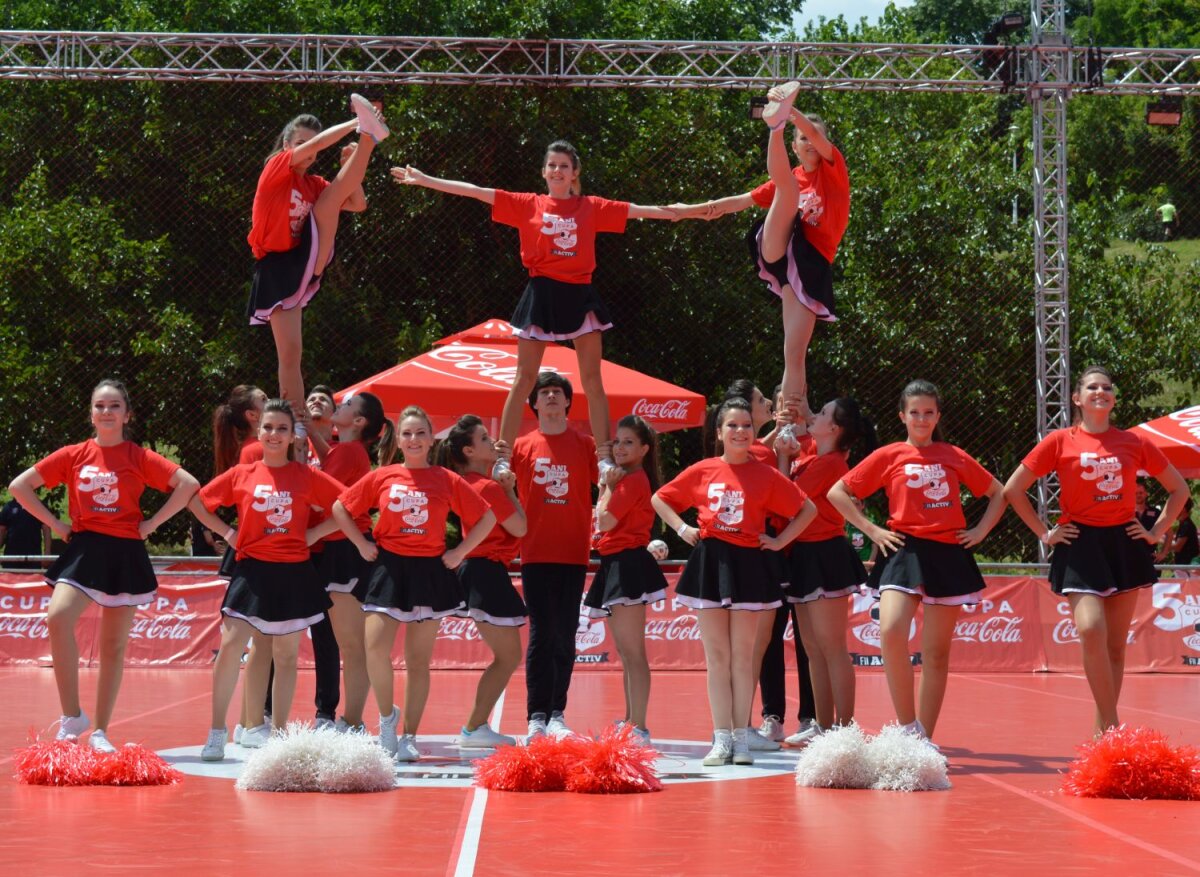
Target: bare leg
x=419, y=638
x=798, y=325
x=896, y=611
x=289, y=345
x=529, y=361
x=284, y=650
x=114, y=634
x=328, y=208
x=781, y=215
x=380, y=631
x=348, y=622
x=505, y=643
x=1118, y=613
x=66, y=608
x=936, y=636
x=743, y=629
x=254, y=685
x=714, y=635
x=589, y=348
x=1092, y=621
x=235, y=633
x=818, y=670
x=762, y=641
x=628, y=624
x=829, y=619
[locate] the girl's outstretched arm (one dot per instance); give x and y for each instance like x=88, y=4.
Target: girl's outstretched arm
x=715, y=208
x=813, y=135
x=410, y=176
x=323, y=140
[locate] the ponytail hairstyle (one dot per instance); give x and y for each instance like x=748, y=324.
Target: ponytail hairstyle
x=568, y=150
x=119, y=386
x=924, y=388
x=378, y=431
x=1076, y=411
x=450, y=449
x=302, y=121
x=647, y=436
x=418, y=411
x=282, y=406
x=856, y=428
x=230, y=426
x=737, y=403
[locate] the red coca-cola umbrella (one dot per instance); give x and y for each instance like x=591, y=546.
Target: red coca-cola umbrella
x=1178, y=436
x=471, y=372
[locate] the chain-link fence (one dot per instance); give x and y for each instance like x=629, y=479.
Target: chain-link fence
x=125, y=208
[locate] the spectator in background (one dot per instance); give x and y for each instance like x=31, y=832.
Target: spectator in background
x=21, y=533
x=1168, y=213
x=1146, y=515
x=1183, y=543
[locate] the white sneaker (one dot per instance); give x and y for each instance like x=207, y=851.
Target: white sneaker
x=370, y=121
x=237, y=733
x=742, y=747
x=499, y=468
x=537, y=726
x=406, y=748
x=642, y=735
x=757, y=742
x=387, y=731
x=99, y=741
x=557, y=727
x=323, y=722
x=722, y=749
x=71, y=727
x=777, y=113
x=344, y=727
x=772, y=728
x=214, y=747
x=256, y=738
x=804, y=734
x=484, y=737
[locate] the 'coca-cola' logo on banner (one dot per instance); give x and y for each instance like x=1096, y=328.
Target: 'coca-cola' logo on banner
x=679, y=628
x=487, y=362
x=1192, y=642
x=24, y=626
x=668, y=409
x=167, y=627
x=454, y=628
x=996, y=629
x=589, y=633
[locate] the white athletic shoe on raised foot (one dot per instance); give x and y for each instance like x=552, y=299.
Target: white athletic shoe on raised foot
x=214, y=746
x=99, y=741
x=557, y=727
x=804, y=734
x=406, y=748
x=387, y=731
x=772, y=728
x=484, y=737
x=256, y=738
x=237, y=734
x=72, y=727
x=777, y=113
x=758, y=743
x=370, y=121
x=537, y=726
x=722, y=750
x=742, y=747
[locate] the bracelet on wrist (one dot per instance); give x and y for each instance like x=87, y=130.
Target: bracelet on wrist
x=229, y=534
x=1045, y=538
x=682, y=529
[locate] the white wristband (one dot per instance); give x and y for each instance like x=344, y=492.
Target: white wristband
x=1045, y=538
x=229, y=534
x=682, y=529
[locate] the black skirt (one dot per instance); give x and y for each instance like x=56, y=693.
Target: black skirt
x=342, y=568
x=1101, y=560
x=412, y=588
x=626, y=578
x=936, y=571
x=829, y=568
x=111, y=570
x=721, y=574
x=285, y=279
x=551, y=310
x=228, y=561
x=276, y=598
x=491, y=596
x=802, y=267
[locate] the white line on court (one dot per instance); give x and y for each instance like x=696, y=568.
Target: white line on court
x=468, y=849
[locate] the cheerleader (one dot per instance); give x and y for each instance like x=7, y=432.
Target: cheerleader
x=629, y=577
x=926, y=536
x=1100, y=559
x=295, y=221
x=733, y=494
x=558, y=246
x=274, y=590
x=105, y=560
x=824, y=570
x=412, y=581
x=492, y=601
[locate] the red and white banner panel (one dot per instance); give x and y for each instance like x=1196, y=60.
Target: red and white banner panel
x=1020, y=626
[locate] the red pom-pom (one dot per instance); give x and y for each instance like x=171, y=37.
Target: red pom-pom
x=538, y=766
x=134, y=765
x=56, y=763
x=618, y=763
x=1134, y=763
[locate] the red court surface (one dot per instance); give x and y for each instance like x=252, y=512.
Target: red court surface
x=1007, y=736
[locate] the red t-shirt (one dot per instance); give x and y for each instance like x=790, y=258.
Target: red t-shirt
x=106, y=483
x=558, y=237
x=630, y=505
x=733, y=501
x=1097, y=472
x=282, y=203
x=824, y=202
x=251, y=450
x=274, y=505
x=346, y=462
x=413, y=506
x=815, y=475
x=763, y=454
x=555, y=474
x=500, y=544
x=922, y=486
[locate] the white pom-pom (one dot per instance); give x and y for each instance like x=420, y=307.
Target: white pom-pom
x=306, y=760
x=836, y=759
x=903, y=762
x=658, y=549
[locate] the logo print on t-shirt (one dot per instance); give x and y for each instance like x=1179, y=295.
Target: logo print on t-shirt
x=1105, y=471
x=563, y=229
x=931, y=477
x=276, y=503
x=811, y=207
x=101, y=485
x=553, y=477
x=728, y=504
x=298, y=212
x=412, y=504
